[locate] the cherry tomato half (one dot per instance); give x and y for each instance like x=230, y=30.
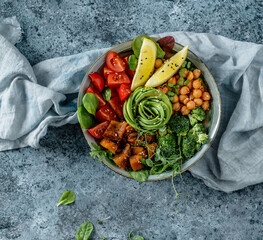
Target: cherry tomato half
x=114, y=80
x=106, y=72
x=124, y=91
x=115, y=62
x=97, y=81
x=99, y=130
x=106, y=113
x=117, y=106
x=128, y=70
x=102, y=102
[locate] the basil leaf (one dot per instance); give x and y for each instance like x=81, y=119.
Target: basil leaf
x=84, y=231
x=133, y=62
x=106, y=94
x=86, y=120
x=90, y=102
x=137, y=44
x=67, y=198
x=140, y=176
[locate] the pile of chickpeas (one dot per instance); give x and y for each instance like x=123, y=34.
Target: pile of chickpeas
x=190, y=95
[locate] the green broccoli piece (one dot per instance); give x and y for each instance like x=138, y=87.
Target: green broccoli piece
x=198, y=146
x=179, y=124
x=189, y=146
x=198, y=114
x=167, y=144
x=202, y=138
x=192, y=120
x=197, y=129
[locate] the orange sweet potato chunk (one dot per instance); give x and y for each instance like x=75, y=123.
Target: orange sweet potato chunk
x=108, y=144
x=115, y=130
x=135, y=162
x=121, y=160
x=139, y=151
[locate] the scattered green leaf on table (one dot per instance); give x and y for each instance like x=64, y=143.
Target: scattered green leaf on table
x=106, y=94
x=84, y=231
x=67, y=198
x=137, y=237
x=90, y=102
x=140, y=176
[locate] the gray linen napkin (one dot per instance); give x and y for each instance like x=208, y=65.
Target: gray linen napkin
x=33, y=98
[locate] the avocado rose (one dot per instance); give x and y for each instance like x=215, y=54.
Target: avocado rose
x=147, y=109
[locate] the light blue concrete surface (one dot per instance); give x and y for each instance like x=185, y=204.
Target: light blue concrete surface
x=32, y=180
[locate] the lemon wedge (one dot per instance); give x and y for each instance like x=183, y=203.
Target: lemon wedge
x=168, y=69
x=146, y=63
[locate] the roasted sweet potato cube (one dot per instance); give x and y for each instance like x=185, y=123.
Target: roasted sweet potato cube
x=151, y=148
x=132, y=137
x=147, y=137
x=108, y=144
x=139, y=151
x=121, y=160
x=115, y=130
x=135, y=162
x=127, y=149
x=129, y=129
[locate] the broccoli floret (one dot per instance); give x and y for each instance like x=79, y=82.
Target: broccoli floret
x=167, y=144
x=188, y=146
x=197, y=129
x=198, y=114
x=193, y=120
x=198, y=146
x=179, y=124
x=202, y=138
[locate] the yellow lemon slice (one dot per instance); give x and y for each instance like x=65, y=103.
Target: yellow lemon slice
x=146, y=63
x=168, y=69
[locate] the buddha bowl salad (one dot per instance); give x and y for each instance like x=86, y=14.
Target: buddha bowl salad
x=147, y=110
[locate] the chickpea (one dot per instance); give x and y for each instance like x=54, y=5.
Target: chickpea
x=185, y=110
x=206, y=96
x=190, y=105
x=186, y=101
x=175, y=98
x=177, y=77
x=191, y=96
x=205, y=105
x=185, y=73
x=198, y=101
x=184, y=90
x=164, y=89
x=202, y=88
x=190, y=84
x=197, y=83
x=196, y=73
x=158, y=63
x=197, y=93
x=172, y=80
x=176, y=106
x=182, y=97
x=190, y=76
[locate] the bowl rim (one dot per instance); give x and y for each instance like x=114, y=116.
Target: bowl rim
x=211, y=141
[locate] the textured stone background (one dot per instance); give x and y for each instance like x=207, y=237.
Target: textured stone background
x=32, y=180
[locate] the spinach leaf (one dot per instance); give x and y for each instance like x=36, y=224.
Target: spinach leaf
x=106, y=94
x=147, y=162
x=84, y=231
x=140, y=176
x=67, y=198
x=90, y=102
x=86, y=120
x=133, y=62
x=137, y=44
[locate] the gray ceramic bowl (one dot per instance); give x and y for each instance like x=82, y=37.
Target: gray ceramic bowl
x=212, y=120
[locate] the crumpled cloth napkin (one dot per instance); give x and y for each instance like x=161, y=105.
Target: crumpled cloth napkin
x=33, y=98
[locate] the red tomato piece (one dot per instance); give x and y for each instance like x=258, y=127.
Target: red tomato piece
x=99, y=130
x=115, y=62
x=117, y=106
x=114, y=80
x=114, y=93
x=106, y=72
x=97, y=81
x=102, y=102
x=128, y=70
x=124, y=91
x=106, y=113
